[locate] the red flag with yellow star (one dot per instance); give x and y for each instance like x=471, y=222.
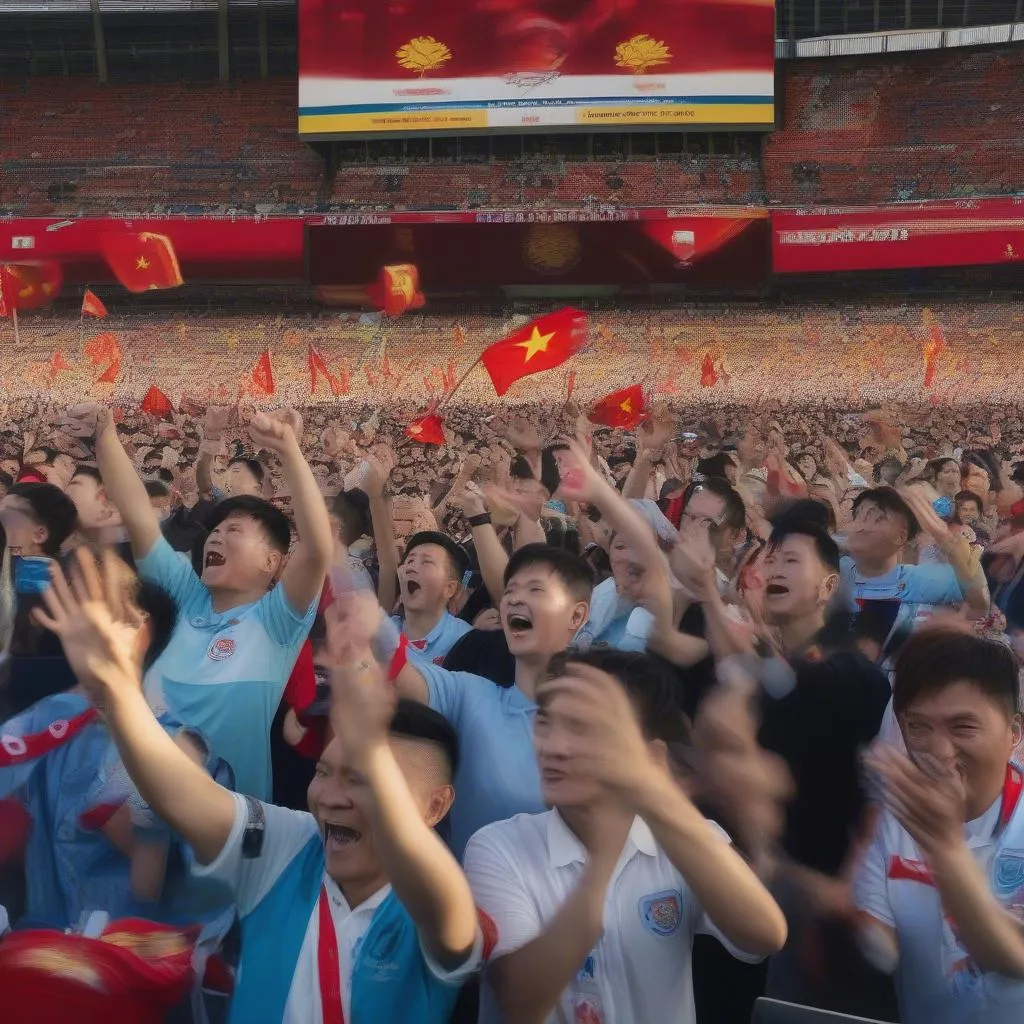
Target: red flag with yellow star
x=142, y=261
x=104, y=348
x=29, y=285
x=541, y=345
x=92, y=305
x=625, y=408
x=427, y=429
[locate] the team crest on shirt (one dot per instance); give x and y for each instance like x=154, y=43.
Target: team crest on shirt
x=221, y=649
x=1008, y=881
x=662, y=912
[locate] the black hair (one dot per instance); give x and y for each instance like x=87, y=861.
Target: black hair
x=92, y=472
x=164, y=476
x=933, y=468
x=253, y=465
x=458, y=558
x=963, y=496
x=805, y=510
x=157, y=604
x=888, y=470
x=673, y=483
x=51, y=508
x=735, y=515
x=714, y=466
x=936, y=658
x=274, y=522
x=889, y=501
x=519, y=469
x=569, y=568
x=6, y=480
x=415, y=721
x=824, y=546
x=157, y=488
x=550, y=477
x=352, y=510
x=648, y=681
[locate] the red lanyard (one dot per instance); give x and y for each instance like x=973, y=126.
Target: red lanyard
x=1012, y=789
x=328, y=964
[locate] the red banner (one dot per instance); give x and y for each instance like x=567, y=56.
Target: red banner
x=963, y=233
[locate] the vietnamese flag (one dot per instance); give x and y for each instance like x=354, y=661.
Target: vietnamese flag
x=541, y=345
x=105, y=349
x=625, y=408
x=29, y=285
x=92, y=305
x=262, y=374
x=708, y=373
x=156, y=403
x=142, y=261
x=427, y=429
x=318, y=367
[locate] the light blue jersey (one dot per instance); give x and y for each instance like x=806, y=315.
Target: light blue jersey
x=498, y=774
x=224, y=673
x=614, y=621
x=434, y=647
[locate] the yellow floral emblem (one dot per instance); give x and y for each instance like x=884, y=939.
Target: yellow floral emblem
x=640, y=53
x=423, y=54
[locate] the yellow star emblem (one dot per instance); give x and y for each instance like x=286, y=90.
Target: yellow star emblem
x=142, y=263
x=537, y=342
x=416, y=428
x=627, y=406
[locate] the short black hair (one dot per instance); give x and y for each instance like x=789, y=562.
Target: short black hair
x=415, y=721
x=6, y=480
x=92, y=472
x=352, y=510
x=519, y=469
x=550, y=476
x=457, y=556
x=569, y=568
x=157, y=488
x=253, y=465
x=805, y=510
x=648, y=681
x=889, y=501
x=51, y=508
x=274, y=522
x=163, y=617
x=933, y=659
x=824, y=546
x=735, y=515
x=963, y=496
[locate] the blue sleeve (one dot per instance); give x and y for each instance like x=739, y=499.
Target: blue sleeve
x=933, y=584
x=172, y=573
x=44, y=715
x=284, y=625
x=447, y=690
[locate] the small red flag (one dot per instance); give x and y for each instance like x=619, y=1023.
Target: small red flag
x=625, y=408
x=932, y=348
x=318, y=367
x=30, y=285
x=156, y=403
x=397, y=289
x=262, y=374
x=427, y=429
x=541, y=345
x=142, y=261
x=708, y=373
x=104, y=348
x=58, y=364
x=92, y=305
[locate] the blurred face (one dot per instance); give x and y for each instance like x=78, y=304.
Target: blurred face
x=807, y=466
x=94, y=511
x=706, y=511
x=627, y=569
x=539, y=614
x=425, y=579
x=964, y=731
x=238, y=556
x=978, y=483
x=534, y=491
x=875, y=533
x=751, y=448
x=797, y=583
x=968, y=512
x=25, y=535
x=10, y=467
x=947, y=480
x=239, y=479
x=339, y=800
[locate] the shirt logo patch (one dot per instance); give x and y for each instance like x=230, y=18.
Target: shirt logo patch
x=1008, y=880
x=221, y=649
x=586, y=972
x=662, y=912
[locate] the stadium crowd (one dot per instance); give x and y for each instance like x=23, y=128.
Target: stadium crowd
x=554, y=722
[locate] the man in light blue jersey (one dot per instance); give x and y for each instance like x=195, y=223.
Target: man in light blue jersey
x=238, y=634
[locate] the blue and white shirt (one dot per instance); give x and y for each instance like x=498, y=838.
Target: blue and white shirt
x=223, y=673
x=614, y=621
x=434, y=647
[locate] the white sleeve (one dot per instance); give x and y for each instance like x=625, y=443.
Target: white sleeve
x=459, y=975
x=703, y=925
x=285, y=833
x=501, y=895
x=871, y=879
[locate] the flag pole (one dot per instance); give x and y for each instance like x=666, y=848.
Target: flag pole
x=14, y=316
x=81, y=323
x=462, y=380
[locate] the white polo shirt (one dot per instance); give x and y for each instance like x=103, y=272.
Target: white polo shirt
x=522, y=870
x=936, y=981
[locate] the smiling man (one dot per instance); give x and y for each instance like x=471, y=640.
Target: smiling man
x=546, y=597
x=429, y=577
x=241, y=625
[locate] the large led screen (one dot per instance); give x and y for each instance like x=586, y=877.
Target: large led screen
x=379, y=67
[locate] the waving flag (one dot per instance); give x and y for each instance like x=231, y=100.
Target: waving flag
x=427, y=429
x=625, y=408
x=156, y=403
x=262, y=374
x=540, y=345
x=142, y=261
x=317, y=369
x=104, y=348
x=92, y=306
x=933, y=347
x=29, y=285
x=708, y=373
x=58, y=364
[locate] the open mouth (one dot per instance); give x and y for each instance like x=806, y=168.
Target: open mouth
x=213, y=558
x=775, y=590
x=412, y=587
x=339, y=836
x=519, y=622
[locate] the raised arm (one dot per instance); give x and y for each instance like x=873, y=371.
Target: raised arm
x=91, y=622
x=303, y=577
x=425, y=876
